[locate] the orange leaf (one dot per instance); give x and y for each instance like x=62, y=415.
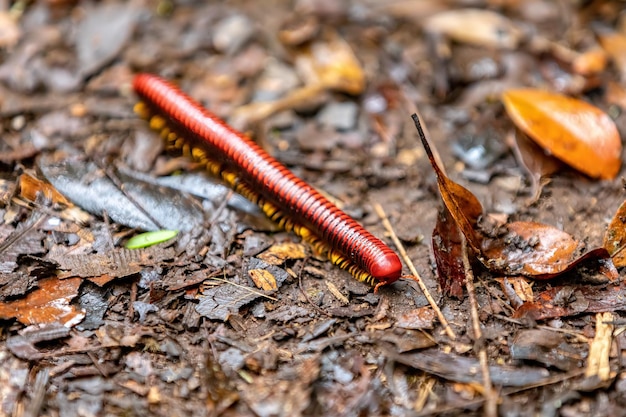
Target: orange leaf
x=48, y=303
x=573, y=130
x=615, y=237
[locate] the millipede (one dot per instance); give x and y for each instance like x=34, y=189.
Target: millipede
x=286, y=199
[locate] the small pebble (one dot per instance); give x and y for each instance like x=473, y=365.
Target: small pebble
x=341, y=116
x=232, y=33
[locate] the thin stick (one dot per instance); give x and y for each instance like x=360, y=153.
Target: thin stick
x=491, y=398
x=416, y=277
x=252, y=291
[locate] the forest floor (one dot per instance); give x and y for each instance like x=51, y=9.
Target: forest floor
x=234, y=317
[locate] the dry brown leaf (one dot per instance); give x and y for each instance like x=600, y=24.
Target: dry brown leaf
x=530, y=249
x=573, y=130
x=475, y=26
x=463, y=206
x=447, y=244
x=327, y=64
x=598, y=363
x=535, y=160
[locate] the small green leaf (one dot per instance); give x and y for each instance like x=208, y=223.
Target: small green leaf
x=144, y=240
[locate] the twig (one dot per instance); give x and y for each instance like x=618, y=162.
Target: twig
x=35, y=405
x=306, y=296
x=259, y=293
x=416, y=277
x=491, y=398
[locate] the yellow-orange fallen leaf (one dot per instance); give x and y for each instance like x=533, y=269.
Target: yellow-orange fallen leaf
x=263, y=279
x=281, y=252
x=579, y=134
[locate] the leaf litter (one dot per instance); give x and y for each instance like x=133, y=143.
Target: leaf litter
x=303, y=351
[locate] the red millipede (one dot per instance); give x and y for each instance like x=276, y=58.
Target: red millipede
x=258, y=176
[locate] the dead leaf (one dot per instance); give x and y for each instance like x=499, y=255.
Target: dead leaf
x=30, y=186
x=331, y=63
x=590, y=62
x=463, y=206
x=49, y=303
x=112, y=264
x=418, y=318
x=547, y=347
x=598, y=364
x=615, y=237
x=531, y=249
x=614, y=44
x=459, y=368
x=563, y=301
x=573, y=130
x=263, y=279
x=521, y=286
x=536, y=161
x=327, y=64
x=220, y=302
x=446, y=243
x=281, y=252
x=536, y=250
x=475, y=26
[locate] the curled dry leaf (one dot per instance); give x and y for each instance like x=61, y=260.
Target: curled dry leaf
x=475, y=26
x=530, y=249
x=574, y=131
x=463, y=206
x=535, y=160
x=615, y=237
x=30, y=186
x=446, y=242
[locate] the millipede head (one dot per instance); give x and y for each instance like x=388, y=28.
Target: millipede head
x=387, y=268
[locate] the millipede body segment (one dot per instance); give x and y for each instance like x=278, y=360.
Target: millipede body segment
x=252, y=172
